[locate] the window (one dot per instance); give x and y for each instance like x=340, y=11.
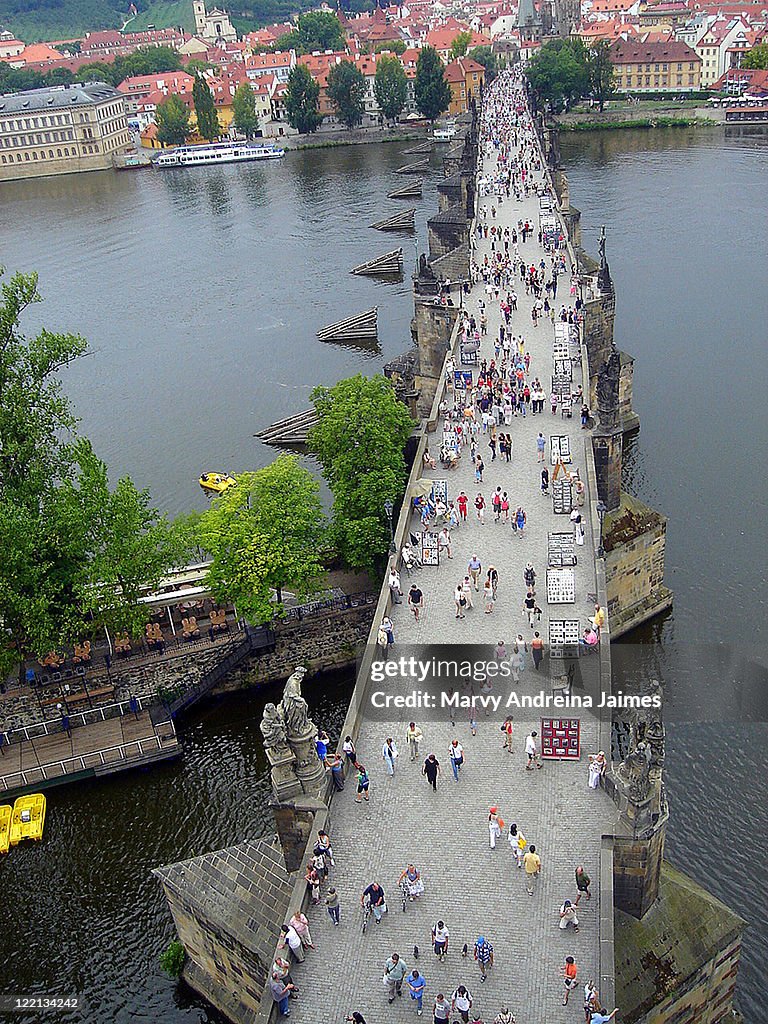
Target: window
x=679, y=79
x=50, y=154
x=3, y=158
x=66, y=152
x=664, y=67
x=34, y=156
x=26, y=156
x=679, y=67
x=58, y=152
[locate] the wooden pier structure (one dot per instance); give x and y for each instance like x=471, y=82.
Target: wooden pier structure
x=363, y=325
x=403, y=221
x=425, y=147
x=388, y=264
x=417, y=167
x=98, y=742
x=291, y=431
x=410, y=191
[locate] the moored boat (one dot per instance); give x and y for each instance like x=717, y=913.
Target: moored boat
x=217, y=153
x=217, y=483
x=28, y=818
x=6, y=812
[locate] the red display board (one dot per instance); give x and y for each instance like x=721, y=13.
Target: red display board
x=561, y=738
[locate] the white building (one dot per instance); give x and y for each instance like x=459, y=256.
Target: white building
x=213, y=26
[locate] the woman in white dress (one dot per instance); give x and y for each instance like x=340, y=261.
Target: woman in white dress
x=578, y=525
x=597, y=766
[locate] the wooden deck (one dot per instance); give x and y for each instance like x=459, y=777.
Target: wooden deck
x=100, y=748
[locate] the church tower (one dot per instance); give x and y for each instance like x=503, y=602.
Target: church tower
x=198, y=6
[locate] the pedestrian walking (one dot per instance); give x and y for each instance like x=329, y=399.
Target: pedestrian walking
x=416, y=601
x=440, y=936
x=456, y=754
x=431, y=770
x=314, y=880
x=529, y=607
x=414, y=736
x=504, y=1016
x=394, y=973
x=517, y=843
x=480, y=508
x=348, y=748
x=495, y=825
x=537, y=650
x=532, y=867
x=416, y=986
x=583, y=883
x=591, y=1000
x=474, y=568
x=493, y=576
x=444, y=542
x=507, y=728
x=483, y=956
x=332, y=905
x=460, y=600
x=461, y=1002
x=541, y=444
x=389, y=755
x=363, y=784
x=290, y=938
x=578, y=526
x=569, y=972
x=488, y=597
x=441, y=1010
x=467, y=588
x=532, y=751
x=462, y=501
x=568, y=917
x=394, y=584
x=519, y=520
x=545, y=481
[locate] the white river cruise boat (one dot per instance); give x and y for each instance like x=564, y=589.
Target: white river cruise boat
x=217, y=153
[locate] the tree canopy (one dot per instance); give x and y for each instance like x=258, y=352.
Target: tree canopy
x=460, y=44
x=172, y=121
x=484, y=55
x=346, y=91
x=75, y=554
x=756, y=58
x=390, y=87
x=559, y=72
x=360, y=441
x=600, y=71
x=264, y=536
x=317, y=30
x=205, y=111
x=245, y=118
x=391, y=46
x=302, y=101
x=433, y=94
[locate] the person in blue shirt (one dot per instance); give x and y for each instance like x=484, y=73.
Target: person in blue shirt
x=603, y=1018
x=417, y=984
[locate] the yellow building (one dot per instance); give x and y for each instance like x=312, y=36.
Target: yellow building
x=61, y=130
x=465, y=77
x=668, y=66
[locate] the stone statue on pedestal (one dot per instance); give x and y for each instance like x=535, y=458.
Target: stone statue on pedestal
x=273, y=730
x=634, y=772
x=295, y=710
x=604, y=282
x=608, y=392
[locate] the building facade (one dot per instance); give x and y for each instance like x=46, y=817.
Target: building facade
x=61, y=130
x=213, y=26
x=669, y=66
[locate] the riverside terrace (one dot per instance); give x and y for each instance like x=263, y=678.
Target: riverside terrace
x=476, y=890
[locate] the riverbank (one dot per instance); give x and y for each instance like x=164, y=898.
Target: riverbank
x=650, y=114
x=354, y=137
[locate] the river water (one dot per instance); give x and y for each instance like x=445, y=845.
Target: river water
x=200, y=293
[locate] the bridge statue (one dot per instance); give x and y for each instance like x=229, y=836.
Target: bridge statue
x=608, y=391
x=273, y=730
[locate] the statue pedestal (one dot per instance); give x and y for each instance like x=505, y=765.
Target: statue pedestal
x=285, y=784
x=308, y=767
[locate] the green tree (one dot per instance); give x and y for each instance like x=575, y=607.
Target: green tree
x=346, y=91
x=205, y=110
x=390, y=87
x=97, y=72
x=360, y=441
x=302, y=100
x=391, y=46
x=484, y=55
x=600, y=68
x=460, y=44
x=433, y=94
x=172, y=120
x=559, y=72
x=244, y=107
x=756, y=58
x=317, y=30
x=265, y=535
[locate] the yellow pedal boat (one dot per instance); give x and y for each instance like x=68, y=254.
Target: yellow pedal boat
x=5, y=827
x=217, y=483
x=28, y=818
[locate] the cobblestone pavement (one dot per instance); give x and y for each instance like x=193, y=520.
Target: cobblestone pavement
x=473, y=889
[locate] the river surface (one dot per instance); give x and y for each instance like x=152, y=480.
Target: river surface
x=200, y=293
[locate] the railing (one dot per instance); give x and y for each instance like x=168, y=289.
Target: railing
x=95, y=758
x=330, y=604
x=134, y=705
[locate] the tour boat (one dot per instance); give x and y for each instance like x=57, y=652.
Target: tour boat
x=217, y=483
x=28, y=818
x=444, y=134
x=217, y=153
x=5, y=827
